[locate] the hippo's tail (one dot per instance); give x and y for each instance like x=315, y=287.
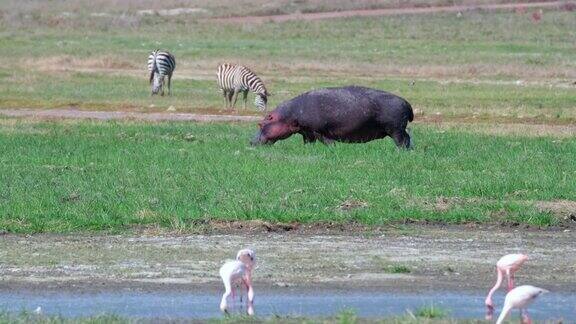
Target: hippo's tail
x=410, y=112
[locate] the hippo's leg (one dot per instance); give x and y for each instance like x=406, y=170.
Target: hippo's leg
x=402, y=139
x=308, y=137
x=325, y=140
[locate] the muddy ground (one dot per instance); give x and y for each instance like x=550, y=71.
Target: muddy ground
x=405, y=259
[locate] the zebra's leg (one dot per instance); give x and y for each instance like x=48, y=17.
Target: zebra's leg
x=169, y=84
x=225, y=94
x=235, y=98
x=245, y=93
x=230, y=94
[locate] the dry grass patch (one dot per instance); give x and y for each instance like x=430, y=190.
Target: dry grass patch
x=565, y=209
x=71, y=63
x=516, y=129
x=351, y=204
x=303, y=72
x=447, y=73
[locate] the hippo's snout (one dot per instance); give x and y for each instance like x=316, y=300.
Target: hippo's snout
x=260, y=139
x=256, y=140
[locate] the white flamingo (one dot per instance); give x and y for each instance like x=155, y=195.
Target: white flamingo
x=507, y=265
x=520, y=297
x=238, y=271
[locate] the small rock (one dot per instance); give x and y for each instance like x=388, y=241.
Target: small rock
x=281, y=284
x=189, y=137
x=171, y=108
x=153, y=201
x=71, y=197
x=152, y=106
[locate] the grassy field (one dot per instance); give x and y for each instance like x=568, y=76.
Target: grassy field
x=491, y=64
x=208, y=8
x=62, y=177
x=492, y=67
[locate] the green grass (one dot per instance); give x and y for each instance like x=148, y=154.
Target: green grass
x=27, y=317
x=431, y=312
x=214, y=8
x=345, y=317
x=62, y=177
x=98, y=91
x=116, y=176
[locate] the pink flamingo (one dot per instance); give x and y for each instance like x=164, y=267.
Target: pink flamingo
x=237, y=272
x=520, y=297
x=508, y=264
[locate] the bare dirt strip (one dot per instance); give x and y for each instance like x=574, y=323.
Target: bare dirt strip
x=124, y=115
x=493, y=125
x=429, y=258
x=387, y=12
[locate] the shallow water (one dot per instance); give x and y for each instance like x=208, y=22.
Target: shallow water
x=313, y=303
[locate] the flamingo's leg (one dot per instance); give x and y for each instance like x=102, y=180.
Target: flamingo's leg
x=489, y=312
x=250, y=295
x=525, y=318
x=511, y=281
x=223, y=302
x=489, y=303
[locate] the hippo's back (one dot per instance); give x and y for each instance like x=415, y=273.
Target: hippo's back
x=329, y=105
x=352, y=104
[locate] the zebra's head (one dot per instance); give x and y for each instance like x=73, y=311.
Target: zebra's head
x=157, y=83
x=261, y=101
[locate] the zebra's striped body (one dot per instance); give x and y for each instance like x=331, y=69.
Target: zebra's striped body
x=161, y=64
x=233, y=79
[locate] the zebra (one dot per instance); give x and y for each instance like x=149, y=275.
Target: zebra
x=160, y=65
x=233, y=79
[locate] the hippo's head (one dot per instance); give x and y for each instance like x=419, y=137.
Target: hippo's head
x=274, y=128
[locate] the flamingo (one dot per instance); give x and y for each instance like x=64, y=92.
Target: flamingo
x=507, y=264
x=237, y=272
x=520, y=297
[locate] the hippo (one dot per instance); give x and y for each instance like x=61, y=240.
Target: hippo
x=349, y=114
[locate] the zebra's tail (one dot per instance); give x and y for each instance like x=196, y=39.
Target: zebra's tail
x=154, y=67
x=151, y=76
